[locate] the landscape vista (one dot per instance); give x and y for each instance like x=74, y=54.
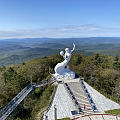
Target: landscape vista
x=32, y=35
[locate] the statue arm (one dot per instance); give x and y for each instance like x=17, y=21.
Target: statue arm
x=64, y=56
x=73, y=48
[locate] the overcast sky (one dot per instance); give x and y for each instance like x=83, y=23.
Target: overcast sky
x=59, y=18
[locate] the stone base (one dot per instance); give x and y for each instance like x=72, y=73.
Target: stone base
x=65, y=75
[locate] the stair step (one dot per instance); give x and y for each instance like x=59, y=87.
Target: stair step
x=81, y=97
x=82, y=105
x=85, y=101
x=80, y=89
x=79, y=93
x=88, y=110
x=87, y=105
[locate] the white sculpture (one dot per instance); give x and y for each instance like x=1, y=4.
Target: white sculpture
x=62, y=69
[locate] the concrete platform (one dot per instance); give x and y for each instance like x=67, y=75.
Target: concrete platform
x=102, y=103
x=69, y=80
x=65, y=105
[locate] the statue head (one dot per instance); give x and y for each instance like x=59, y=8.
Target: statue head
x=66, y=49
x=61, y=53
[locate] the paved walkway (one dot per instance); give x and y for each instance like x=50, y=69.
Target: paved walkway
x=63, y=104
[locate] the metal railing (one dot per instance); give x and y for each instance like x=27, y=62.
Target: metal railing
x=9, y=108
x=14, y=100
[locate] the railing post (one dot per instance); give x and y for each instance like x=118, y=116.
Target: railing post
x=55, y=112
x=46, y=117
x=103, y=117
x=31, y=80
x=89, y=117
x=116, y=118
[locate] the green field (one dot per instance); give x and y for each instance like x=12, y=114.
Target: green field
x=114, y=112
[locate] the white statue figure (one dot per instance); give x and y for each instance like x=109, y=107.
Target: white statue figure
x=62, y=69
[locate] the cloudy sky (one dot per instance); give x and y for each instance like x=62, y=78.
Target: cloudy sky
x=59, y=18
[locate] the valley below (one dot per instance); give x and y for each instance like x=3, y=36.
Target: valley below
x=17, y=51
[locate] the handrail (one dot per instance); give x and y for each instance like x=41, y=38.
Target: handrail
x=16, y=102
x=14, y=99
x=9, y=108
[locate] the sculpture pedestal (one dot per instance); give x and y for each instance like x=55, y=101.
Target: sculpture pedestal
x=65, y=75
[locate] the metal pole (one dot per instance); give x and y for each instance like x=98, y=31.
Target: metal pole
x=55, y=112
x=31, y=79
x=46, y=117
x=103, y=117
x=89, y=117
x=116, y=118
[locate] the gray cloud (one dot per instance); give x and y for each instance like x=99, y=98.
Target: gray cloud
x=67, y=31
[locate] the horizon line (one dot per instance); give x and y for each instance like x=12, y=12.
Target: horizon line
x=58, y=37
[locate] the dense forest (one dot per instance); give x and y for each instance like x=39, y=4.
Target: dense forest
x=14, y=78
x=100, y=71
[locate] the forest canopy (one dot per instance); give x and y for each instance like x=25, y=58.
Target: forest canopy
x=100, y=71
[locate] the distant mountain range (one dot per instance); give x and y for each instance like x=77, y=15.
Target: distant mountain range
x=15, y=51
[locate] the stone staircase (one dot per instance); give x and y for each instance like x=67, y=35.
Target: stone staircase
x=81, y=97
x=74, y=100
